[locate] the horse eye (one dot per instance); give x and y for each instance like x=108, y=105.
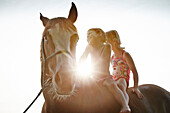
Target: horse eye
x=45, y=38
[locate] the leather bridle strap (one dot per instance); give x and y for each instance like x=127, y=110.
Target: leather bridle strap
x=66, y=53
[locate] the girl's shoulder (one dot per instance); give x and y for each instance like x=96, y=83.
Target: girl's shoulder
x=126, y=55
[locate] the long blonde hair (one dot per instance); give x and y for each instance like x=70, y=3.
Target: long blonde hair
x=113, y=36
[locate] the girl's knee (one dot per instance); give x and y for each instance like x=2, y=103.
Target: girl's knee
x=109, y=82
x=122, y=84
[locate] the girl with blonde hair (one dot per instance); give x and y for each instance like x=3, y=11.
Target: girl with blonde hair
x=122, y=63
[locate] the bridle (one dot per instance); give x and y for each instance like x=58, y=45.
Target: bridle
x=65, y=52
x=44, y=85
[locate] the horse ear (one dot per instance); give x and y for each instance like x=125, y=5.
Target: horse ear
x=44, y=19
x=73, y=13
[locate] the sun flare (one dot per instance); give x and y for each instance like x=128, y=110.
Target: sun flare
x=84, y=69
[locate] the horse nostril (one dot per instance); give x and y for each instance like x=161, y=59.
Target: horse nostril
x=57, y=78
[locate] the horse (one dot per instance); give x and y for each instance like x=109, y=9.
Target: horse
x=61, y=92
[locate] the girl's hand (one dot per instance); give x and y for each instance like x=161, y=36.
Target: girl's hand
x=138, y=93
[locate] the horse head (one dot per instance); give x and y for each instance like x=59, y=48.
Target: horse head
x=58, y=49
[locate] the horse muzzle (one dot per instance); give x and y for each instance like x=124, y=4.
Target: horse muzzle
x=65, y=81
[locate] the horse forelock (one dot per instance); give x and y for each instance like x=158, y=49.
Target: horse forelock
x=64, y=23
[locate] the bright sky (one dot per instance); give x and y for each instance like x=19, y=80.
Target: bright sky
x=143, y=26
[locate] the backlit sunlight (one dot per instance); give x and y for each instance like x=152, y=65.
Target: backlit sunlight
x=84, y=70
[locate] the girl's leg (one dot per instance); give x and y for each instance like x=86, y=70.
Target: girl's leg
x=123, y=85
x=114, y=89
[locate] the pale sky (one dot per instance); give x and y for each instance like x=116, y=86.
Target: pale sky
x=143, y=26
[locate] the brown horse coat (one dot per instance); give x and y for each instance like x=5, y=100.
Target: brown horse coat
x=93, y=98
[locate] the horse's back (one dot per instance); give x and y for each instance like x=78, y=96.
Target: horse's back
x=94, y=98
x=155, y=100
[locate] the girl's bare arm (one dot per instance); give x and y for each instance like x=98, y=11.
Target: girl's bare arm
x=132, y=66
x=85, y=53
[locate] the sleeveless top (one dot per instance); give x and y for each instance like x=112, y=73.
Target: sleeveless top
x=120, y=69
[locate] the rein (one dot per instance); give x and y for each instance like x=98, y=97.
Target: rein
x=68, y=54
